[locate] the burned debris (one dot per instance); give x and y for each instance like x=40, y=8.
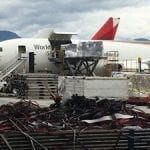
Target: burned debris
x=16, y=84
x=80, y=122
x=78, y=112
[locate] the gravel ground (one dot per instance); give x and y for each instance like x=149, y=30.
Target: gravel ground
x=6, y=100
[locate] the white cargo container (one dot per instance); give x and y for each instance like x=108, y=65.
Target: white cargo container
x=105, y=87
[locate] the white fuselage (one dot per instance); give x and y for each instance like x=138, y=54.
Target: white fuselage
x=42, y=49
x=128, y=50
x=129, y=53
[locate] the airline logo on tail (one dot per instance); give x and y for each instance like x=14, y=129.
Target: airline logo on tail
x=108, y=30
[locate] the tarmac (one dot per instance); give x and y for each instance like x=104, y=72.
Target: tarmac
x=42, y=103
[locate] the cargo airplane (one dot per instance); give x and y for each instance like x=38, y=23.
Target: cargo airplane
x=40, y=47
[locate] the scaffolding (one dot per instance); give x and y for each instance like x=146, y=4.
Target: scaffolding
x=80, y=65
x=81, y=59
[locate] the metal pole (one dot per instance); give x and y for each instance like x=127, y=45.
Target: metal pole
x=131, y=140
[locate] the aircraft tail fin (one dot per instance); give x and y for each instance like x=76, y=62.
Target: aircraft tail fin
x=108, y=30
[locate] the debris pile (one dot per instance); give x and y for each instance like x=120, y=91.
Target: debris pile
x=16, y=84
x=75, y=113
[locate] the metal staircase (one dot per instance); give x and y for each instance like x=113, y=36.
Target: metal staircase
x=41, y=85
x=10, y=67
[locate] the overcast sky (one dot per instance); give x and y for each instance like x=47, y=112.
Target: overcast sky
x=82, y=16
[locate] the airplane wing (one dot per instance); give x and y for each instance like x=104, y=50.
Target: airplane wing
x=53, y=35
x=61, y=35
x=132, y=42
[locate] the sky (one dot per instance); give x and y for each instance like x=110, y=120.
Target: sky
x=27, y=17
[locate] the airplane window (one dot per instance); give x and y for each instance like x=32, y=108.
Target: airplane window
x=1, y=49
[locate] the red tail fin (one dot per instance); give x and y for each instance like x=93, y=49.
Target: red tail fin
x=108, y=30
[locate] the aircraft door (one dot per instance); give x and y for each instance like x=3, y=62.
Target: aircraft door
x=31, y=62
x=21, y=51
x=1, y=50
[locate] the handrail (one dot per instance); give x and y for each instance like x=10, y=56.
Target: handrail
x=7, y=70
x=12, y=60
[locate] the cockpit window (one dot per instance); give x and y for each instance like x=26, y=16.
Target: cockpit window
x=1, y=49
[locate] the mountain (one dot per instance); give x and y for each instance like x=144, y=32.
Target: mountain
x=6, y=35
x=141, y=39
